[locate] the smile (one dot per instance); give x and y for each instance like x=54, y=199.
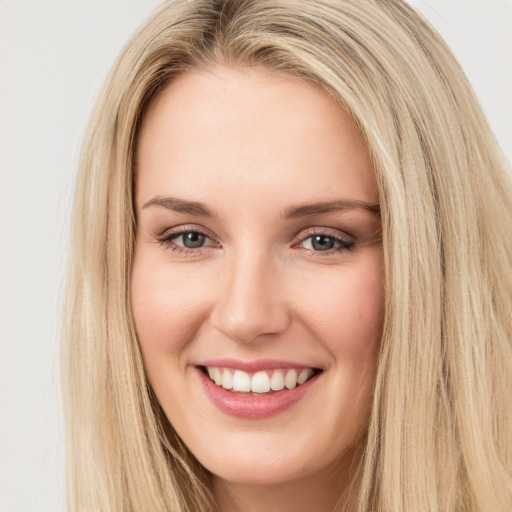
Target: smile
x=257, y=389
x=266, y=381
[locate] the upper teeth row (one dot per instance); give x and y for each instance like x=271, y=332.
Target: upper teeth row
x=259, y=382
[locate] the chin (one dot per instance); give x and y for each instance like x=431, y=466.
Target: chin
x=266, y=459
x=266, y=471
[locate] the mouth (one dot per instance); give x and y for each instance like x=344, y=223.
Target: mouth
x=256, y=390
x=260, y=383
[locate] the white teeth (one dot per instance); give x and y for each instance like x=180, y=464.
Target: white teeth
x=217, y=376
x=277, y=381
x=290, y=381
x=241, y=381
x=303, y=376
x=227, y=379
x=260, y=383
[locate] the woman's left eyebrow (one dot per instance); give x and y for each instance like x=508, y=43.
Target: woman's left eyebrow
x=293, y=212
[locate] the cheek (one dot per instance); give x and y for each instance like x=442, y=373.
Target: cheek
x=346, y=314
x=167, y=307
x=346, y=310
x=350, y=327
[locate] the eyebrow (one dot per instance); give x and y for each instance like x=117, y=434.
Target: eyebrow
x=180, y=206
x=294, y=212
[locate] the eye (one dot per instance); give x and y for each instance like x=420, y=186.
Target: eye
x=190, y=239
x=325, y=242
x=319, y=242
x=186, y=240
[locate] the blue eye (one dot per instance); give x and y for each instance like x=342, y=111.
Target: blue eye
x=322, y=242
x=190, y=239
x=187, y=241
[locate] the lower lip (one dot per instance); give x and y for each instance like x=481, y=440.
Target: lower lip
x=254, y=406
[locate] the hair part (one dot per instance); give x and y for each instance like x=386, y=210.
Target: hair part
x=440, y=433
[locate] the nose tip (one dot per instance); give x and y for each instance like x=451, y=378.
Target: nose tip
x=246, y=324
x=251, y=305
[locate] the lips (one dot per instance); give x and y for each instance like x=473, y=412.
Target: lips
x=256, y=389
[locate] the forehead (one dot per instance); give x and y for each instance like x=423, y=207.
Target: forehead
x=249, y=132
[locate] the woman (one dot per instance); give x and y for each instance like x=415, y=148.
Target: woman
x=291, y=275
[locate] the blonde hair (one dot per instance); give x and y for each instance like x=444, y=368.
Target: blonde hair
x=440, y=432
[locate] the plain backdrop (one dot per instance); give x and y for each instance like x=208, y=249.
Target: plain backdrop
x=54, y=55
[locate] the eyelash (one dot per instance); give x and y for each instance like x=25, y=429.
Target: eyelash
x=166, y=240
x=344, y=244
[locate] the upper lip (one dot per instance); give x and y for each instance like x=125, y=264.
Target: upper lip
x=253, y=366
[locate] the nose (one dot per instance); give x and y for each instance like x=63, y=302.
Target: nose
x=251, y=301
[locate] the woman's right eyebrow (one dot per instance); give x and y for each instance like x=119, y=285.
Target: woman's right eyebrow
x=180, y=206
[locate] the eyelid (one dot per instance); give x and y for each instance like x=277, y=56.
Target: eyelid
x=166, y=236
x=317, y=230
x=343, y=242
x=184, y=228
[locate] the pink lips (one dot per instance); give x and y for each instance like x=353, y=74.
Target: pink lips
x=251, y=406
x=251, y=366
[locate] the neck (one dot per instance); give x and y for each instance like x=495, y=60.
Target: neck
x=333, y=488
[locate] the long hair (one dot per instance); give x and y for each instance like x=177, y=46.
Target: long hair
x=440, y=432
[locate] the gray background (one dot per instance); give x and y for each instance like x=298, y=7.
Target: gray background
x=54, y=55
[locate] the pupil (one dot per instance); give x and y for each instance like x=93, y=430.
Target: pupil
x=193, y=240
x=322, y=243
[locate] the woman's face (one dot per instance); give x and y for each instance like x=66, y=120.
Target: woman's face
x=258, y=261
